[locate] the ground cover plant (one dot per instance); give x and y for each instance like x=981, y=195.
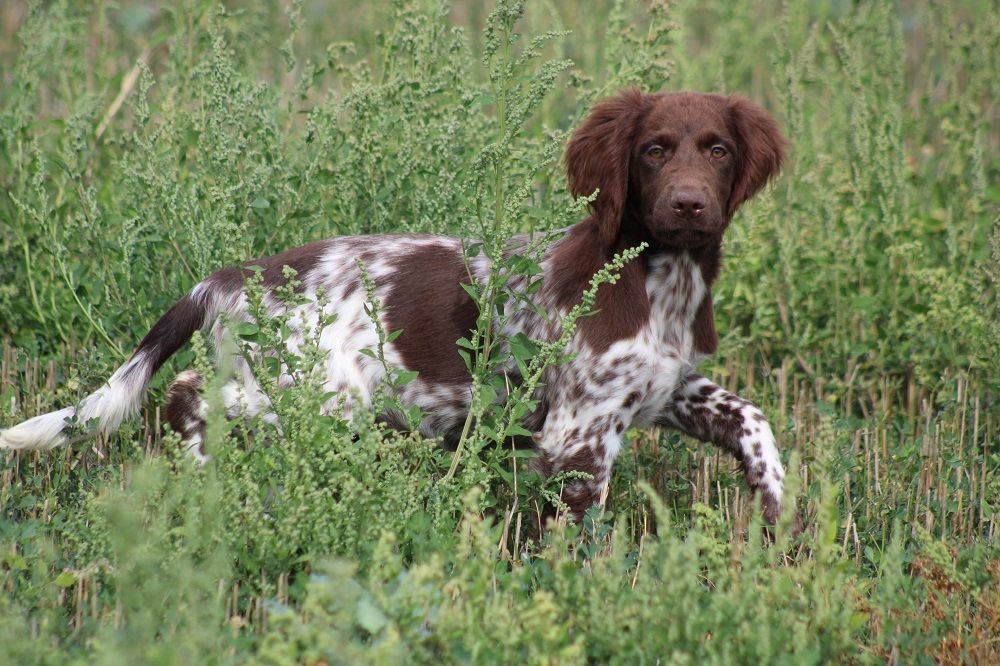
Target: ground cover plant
x=144, y=146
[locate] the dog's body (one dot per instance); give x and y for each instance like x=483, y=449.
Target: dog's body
x=671, y=170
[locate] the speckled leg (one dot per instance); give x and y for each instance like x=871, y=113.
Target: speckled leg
x=709, y=413
x=587, y=445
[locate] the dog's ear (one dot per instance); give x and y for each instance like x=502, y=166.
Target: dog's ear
x=598, y=157
x=761, y=149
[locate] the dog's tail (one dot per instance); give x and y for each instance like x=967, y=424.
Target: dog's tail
x=119, y=398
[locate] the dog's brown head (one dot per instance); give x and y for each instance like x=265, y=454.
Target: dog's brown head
x=677, y=164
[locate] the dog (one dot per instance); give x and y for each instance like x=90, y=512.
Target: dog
x=669, y=169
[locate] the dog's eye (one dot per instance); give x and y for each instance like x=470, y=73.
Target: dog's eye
x=718, y=152
x=656, y=152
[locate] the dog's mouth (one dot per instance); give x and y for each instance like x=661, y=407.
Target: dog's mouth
x=686, y=236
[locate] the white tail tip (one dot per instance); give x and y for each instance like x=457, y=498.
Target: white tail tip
x=40, y=433
x=110, y=405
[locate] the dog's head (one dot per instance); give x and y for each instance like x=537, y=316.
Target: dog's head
x=678, y=164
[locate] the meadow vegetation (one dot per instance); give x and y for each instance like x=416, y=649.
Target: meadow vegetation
x=145, y=146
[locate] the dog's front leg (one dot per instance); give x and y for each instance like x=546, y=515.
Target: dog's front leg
x=569, y=443
x=709, y=413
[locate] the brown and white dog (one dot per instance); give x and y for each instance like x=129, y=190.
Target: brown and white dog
x=671, y=170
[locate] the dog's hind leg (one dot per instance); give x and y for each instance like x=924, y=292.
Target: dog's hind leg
x=186, y=411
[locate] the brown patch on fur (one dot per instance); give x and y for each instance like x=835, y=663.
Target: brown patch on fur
x=575, y=258
x=709, y=260
x=706, y=340
x=583, y=494
x=182, y=409
x=585, y=459
x=605, y=376
x=600, y=451
x=598, y=157
x=597, y=429
x=574, y=391
x=169, y=333
x=301, y=259
x=451, y=437
x=427, y=303
x=772, y=511
x=761, y=149
x=622, y=309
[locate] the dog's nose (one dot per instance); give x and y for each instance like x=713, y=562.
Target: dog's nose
x=686, y=203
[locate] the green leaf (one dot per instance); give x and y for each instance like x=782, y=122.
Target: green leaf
x=65, y=579
x=413, y=415
x=405, y=377
x=247, y=329
x=470, y=290
x=515, y=429
x=523, y=347
x=487, y=394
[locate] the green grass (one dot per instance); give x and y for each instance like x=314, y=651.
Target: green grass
x=143, y=147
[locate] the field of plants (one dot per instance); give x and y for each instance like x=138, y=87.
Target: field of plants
x=144, y=145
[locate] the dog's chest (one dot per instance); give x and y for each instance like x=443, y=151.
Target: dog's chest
x=663, y=351
x=675, y=289
x=635, y=377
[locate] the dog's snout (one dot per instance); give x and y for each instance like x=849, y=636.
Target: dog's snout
x=687, y=203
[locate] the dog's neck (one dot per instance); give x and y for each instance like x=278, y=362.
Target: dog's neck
x=707, y=255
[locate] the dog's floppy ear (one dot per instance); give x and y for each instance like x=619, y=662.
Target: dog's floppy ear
x=598, y=158
x=761, y=148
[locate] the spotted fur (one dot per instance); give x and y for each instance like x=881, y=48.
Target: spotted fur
x=186, y=412
x=671, y=169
